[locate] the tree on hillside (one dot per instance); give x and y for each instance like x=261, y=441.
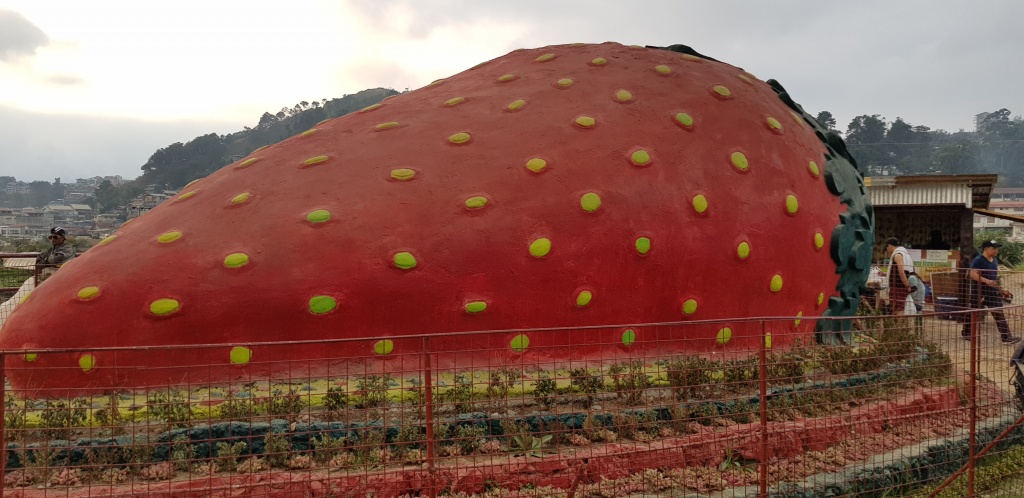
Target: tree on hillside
x=865, y=137
x=956, y=158
x=178, y=164
x=110, y=197
x=908, y=147
x=43, y=193
x=826, y=119
x=1001, y=140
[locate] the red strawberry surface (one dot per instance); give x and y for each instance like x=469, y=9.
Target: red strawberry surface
x=565, y=186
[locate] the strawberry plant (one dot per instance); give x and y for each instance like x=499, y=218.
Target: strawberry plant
x=528, y=444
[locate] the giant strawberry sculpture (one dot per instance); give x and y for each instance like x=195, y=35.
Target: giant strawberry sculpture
x=560, y=187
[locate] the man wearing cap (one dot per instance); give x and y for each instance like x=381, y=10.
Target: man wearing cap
x=58, y=253
x=985, y=272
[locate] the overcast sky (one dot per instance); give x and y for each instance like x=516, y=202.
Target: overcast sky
x=91, y=87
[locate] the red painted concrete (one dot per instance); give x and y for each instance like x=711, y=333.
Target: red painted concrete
x=315, y=237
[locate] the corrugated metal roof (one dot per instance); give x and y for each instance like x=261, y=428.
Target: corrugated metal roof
x=958, y=194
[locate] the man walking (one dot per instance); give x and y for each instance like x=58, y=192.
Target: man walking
x=985, y=271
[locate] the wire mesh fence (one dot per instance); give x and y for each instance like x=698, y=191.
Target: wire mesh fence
x=745, y=407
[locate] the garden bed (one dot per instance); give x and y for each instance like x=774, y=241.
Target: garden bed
x=696, y=419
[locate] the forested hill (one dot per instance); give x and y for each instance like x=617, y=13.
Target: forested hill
x=880, y=147
x=884, y=148
x=178, y=163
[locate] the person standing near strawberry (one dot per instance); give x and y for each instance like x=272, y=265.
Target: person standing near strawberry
x=984, y=271
x=901, y=267
x=59, y=252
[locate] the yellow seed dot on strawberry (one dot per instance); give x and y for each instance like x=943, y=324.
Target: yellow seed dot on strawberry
x=584, y=298
x=383, y=347
x=700, y=203
x=739, y=160
x=246, y=163
x=743, y=250
x=689, y=306
x=239, y=355
x=684, y=119
x=540, y=247
x=403, y=174
x=536, y=165
x=476, y=202
x=724, y=336
x=640, y=158
x=586, y=121
x=168, y=237
x=791, y=204
x=87, y=293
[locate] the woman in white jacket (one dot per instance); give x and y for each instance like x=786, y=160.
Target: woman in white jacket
x=903, y=282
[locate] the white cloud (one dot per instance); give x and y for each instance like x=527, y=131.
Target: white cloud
x=229, y=61
x=18, y=36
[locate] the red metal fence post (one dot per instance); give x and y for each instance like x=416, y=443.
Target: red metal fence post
x=763, y=405
x=3, y=421
x=972, y=394
x=428, y=416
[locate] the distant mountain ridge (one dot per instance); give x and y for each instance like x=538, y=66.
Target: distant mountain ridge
x=180, y=163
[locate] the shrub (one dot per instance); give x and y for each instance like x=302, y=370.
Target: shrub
x=60, y=417
x=630, y=381
x=586, y=382
x=373, y=391
x=237, y=407
x=326, y=447
x=280, y=404
x=545, y=392
x=170, y=406
x=336, y=399
x=276, y=449
x=688, y=376
x=228, y=454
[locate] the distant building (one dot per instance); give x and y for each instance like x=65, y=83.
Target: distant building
x=150, y=199
x=18, y=188
x=1006, y=214
x=979, y=120
x=911, y=207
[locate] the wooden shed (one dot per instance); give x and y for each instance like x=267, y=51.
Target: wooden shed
x=911, y=207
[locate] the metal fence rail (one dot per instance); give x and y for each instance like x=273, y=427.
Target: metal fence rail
x=763, y=411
